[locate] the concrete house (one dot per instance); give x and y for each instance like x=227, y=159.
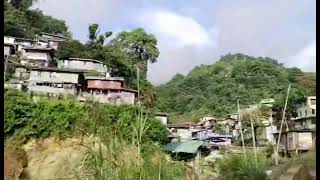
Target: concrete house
x=9, y=46
x=108, y=90
x=306, y=111
x=9, y=49
x=50, y=40
x=296, y=140
x=181, y=131
x=303, y=136
x=55, y=82
x=24, y=43
x=32, y=56
x=83, y=64
x=162, y=117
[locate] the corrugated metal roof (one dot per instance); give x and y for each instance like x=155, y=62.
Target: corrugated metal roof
x=185, y=146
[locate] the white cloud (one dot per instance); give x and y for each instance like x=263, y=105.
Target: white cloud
x=179, y=30
x=183, y=43
x=305, y=58
x=78, y=14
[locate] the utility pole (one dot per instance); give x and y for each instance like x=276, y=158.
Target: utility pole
x=283, y=116
x=241, y=133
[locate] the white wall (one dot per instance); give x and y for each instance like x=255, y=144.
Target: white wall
x=9, y=40
x=184, y=133
x=54, y=77
x=36, y=55
x=304, y=140
x=6, y=50
x=162, y=119
x=53, y=90
x=83, y=65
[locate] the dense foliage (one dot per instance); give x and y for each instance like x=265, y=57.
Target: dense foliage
x=26, y=118
x=235, y=166
x=214, y=89
x=21, y=21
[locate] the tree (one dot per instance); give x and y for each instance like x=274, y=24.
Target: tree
x=93, y=31
x=21, y=4
x=72, y=48
x=15, y=22
x=140, y=46
x=20, y=21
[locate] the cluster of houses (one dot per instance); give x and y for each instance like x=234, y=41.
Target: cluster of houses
x=34, y=68
x=300, y=137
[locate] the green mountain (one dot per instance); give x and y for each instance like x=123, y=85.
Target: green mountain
x=214, y=89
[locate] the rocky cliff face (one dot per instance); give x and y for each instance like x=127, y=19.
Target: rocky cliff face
x=46, y=159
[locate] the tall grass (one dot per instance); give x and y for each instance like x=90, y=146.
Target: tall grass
x=235, y=167
x=123, y=144
x=114, y=156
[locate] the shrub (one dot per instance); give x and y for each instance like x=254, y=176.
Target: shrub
x=18, y=109
x=66, y=116
x=234, y=166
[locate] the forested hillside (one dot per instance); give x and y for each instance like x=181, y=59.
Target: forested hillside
x=21, y=21
x=214, y=89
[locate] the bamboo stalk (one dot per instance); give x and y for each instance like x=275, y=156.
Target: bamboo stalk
x=283, y=116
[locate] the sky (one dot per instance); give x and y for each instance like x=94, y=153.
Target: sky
x=196, y=32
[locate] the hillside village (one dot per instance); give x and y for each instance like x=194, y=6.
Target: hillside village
x=35, y=69
x=91, y=107
x=30, y=66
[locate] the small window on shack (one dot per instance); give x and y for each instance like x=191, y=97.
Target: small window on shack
x=313, y=101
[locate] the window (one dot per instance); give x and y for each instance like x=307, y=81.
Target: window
x=313, y=101
x=300, y=114
x=313, y=111
x=306, y=112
